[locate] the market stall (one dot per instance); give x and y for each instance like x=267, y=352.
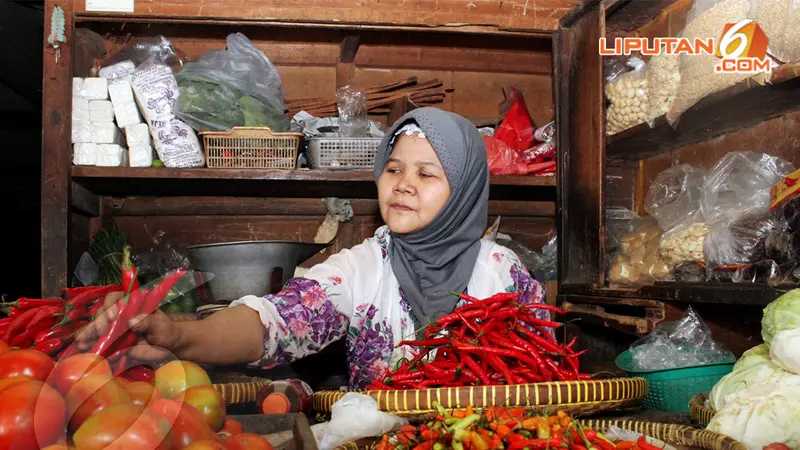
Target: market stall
x=199, y=152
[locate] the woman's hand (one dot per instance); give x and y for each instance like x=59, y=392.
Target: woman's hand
x=160, y=337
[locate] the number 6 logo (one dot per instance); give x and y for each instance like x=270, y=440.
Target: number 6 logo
x=733, y=35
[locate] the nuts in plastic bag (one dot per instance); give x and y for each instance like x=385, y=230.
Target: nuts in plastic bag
x=682, y=343
x=686, y=244
x=663, y=79
x=628, y=94
x=639, y=262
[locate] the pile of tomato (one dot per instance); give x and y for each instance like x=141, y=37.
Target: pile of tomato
x=78, y=403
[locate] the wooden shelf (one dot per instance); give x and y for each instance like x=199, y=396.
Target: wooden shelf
x=715, y=293
x=125, y=181
x=737, y=107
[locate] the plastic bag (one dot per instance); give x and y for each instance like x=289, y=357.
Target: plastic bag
x=705, y=20
x=356, y=416
x=543, y=266
x=682, y=343
x=517, y=128
x=504, y=160
x=546, y=133
x=663, y=80
x=740, y=183
x=774, y=16
x=674, y=197
x=546, y=151
x=785, y=44
x=628, y=94
x=619, y=222
x=156, y=49
x=352, y=106
x=764, y=271
x=740, y=242
x=789, y=213
x=685, y=244
x=783, y=246
x=638, y=262
x=235, y=87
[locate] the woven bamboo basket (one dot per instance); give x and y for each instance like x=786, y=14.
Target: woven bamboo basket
x=679, y=436
x=241, y=393
x=574, y=397
x=699, y=412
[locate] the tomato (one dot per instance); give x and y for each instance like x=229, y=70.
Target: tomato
x=777, y=446
x=123, y=427
x=4, y=348
x=206, y=445
x=247, y=441
x=142, y=393
x=208, y=401
x=32, y=363
x=177, y=376
x=7, y=382
x=73, y=368
x=57, y=447
x=188, y=424
x=93, y=394
x=231, y=427
x=32, y=416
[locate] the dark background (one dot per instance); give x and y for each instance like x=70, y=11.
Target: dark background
x=21, y=36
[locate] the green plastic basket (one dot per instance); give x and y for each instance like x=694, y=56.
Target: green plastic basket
x=669, y=390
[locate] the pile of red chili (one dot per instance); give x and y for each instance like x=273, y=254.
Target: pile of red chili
x=50, y=325
x=493, y=341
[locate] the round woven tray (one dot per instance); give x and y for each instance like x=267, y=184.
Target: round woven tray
x=574, y=397
x=699, y=412
x=678, y=435
x=241, y=393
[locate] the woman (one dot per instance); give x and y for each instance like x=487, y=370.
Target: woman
x=433, y=189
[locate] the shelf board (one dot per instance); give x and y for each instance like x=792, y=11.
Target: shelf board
x=126, y=181
x=732, y=109
x=715, y=293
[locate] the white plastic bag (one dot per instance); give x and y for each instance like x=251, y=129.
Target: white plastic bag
x=356, y=416
x=627, y=93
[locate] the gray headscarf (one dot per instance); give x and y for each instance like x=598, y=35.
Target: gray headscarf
x=438, y=259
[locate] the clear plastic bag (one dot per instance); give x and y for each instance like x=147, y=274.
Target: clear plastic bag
x=783, y=246
x=235, y=87
x=663, y=80
x=353, y=112
x=774, y=16
x=619, y=222
x=682, y=343
x=740, y=183
x=740, y=242
x=764, y=271
x=789, y=51
x=628, y=94
x=685, y=244
x=638, y=262
x=156, y=49
x=674, y=197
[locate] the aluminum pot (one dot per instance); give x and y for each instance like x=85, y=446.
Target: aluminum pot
x=249, y=267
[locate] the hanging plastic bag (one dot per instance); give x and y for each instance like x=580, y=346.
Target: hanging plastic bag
x=156, y=50
x=353, y=112
x=517, y=128
x=706, y=20
x=740, y=183
x=235, y=87
x=628, y=94
x=674, y=197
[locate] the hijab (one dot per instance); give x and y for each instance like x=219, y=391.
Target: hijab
x=432, y=263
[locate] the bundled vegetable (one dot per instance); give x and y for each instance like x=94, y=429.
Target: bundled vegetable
x=501, y=427
x=487, y=342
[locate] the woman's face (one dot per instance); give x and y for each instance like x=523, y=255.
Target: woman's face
x=413, y=187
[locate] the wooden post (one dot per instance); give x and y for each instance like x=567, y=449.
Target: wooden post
x=56, y=140
x=345, y=66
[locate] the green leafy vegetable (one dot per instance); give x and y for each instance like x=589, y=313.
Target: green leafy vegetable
x=782, y=314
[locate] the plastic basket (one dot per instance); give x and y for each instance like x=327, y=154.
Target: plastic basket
x=342, y=153
x=251, y=148
x=669, y=390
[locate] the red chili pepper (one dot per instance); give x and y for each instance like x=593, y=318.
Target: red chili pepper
x=62, y=331
x=117, y=327
x=425, y=343
x=28, y=303
x=83, y=299
x=153, y=299
x=140, y=373
x=454, y=316
x=540, y=364
x=126, y=341
x=403, y=377
x=475, y=368
x=52, y=346
x=15, y=312
x=95, y=308
x=539, y=340
x=25, y=339
x=545, y=307
x=120, y=366
x=130, y=281
x=644, y=445
x=495, y=351
x=76, y=315
x=42, y=314
x=68, y=351
x=532, y=443
x=6, y=320
x=377, y=385
x=18, y=324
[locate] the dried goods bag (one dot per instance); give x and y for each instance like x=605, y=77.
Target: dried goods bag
x=156, y=92
x=638, y=262
x=741, y=242
x=706, y=20
x=774, y=17
x=663, y=81
x=628, y=94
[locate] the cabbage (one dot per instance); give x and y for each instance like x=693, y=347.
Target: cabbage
x=761, y=415
x=785, y=350
x=736, y=381
x=782, y=314
x=755, y=355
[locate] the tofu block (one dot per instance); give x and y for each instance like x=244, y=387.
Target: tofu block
x=101, y=111
x=118, y=71
x=90, y=88
x=121, y=92
x=81, y=131
x=85, y=154
x=127, y=114
x=106, y=133
x=138, y=134
x=140, y=156
x=112, y=155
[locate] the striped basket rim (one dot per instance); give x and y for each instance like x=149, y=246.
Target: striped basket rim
x=240, y=393
x=699, y=412
x=677, y=435
x=420, y=401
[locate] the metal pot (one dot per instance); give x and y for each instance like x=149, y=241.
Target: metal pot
x=250, y=267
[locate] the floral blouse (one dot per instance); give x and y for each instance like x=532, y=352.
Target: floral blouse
x=354, y=294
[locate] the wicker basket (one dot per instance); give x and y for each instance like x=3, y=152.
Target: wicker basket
x=342, y=153
x=575, y=397
x=241, y=393
x=251, y=148
x=699, y=412
x=677, y=435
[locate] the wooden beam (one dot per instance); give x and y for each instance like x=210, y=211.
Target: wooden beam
x=629, y=15
x=345, y=67
x=57, y=79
